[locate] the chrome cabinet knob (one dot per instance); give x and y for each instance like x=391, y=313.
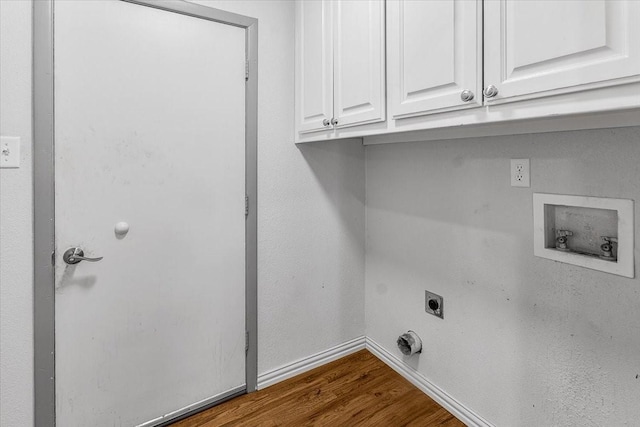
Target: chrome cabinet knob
x=75, y=255
x=490, y=91
x=326, y=122
x=334, y=121
x=466, y=95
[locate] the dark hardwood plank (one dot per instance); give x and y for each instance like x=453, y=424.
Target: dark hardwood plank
x=357, y=390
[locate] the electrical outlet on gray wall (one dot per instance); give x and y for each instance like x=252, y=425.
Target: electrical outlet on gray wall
x=434, y=304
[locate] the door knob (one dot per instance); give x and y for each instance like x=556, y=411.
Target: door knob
x=334, y=121
x=75, y=255
x=490, y=91
x=326, y=122
x=466, y=95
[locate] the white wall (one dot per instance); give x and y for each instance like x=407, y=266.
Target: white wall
x=310, y=212
x=16, y=264
x=525, y=341
x=310, y=220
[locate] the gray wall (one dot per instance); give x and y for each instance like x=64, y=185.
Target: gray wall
x=310, y=212
x=525, y=341
x=16, y=250
x=310, y=220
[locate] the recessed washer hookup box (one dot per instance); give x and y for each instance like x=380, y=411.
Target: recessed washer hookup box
x=591, y=232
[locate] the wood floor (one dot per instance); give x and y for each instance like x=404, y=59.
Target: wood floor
x=357, y=390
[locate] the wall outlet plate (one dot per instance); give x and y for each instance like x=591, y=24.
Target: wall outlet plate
x=434, y=304
x=9, y=152
x=520, y=173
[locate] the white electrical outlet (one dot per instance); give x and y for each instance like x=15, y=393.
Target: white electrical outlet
x=520, y=173
x=9, y=152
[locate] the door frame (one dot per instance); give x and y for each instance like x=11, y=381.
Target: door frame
x=44, y=198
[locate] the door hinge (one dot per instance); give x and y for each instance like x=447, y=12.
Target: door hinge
x=246, y=341
x=246, y=206
x=246, y=69
x=53, y=258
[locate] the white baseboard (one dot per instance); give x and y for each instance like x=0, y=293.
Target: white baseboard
x=460, y=411
x=308, y=363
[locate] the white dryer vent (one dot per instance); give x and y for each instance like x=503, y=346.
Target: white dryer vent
x=409, y=343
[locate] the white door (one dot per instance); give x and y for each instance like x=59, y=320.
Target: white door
x=359, y=62
x=314, y=65
x=434, y=55
x=149, y=130
x=535, y=49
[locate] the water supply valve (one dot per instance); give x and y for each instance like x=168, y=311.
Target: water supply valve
x=607, y=248
x=563, y=239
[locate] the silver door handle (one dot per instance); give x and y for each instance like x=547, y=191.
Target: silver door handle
x=75, y=255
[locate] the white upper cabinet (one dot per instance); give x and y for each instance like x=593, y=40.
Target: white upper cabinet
x=534, y=49
x=464, y=67
x=340, y=64
x=314, y=65
x=359, y=62
x=434, y=53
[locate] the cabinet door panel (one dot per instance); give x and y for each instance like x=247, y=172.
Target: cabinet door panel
x=314, y=65
x=359, y=62
x=434, y=50
x=535, y=49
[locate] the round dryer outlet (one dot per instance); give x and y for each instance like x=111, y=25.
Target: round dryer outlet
x=434, y=304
